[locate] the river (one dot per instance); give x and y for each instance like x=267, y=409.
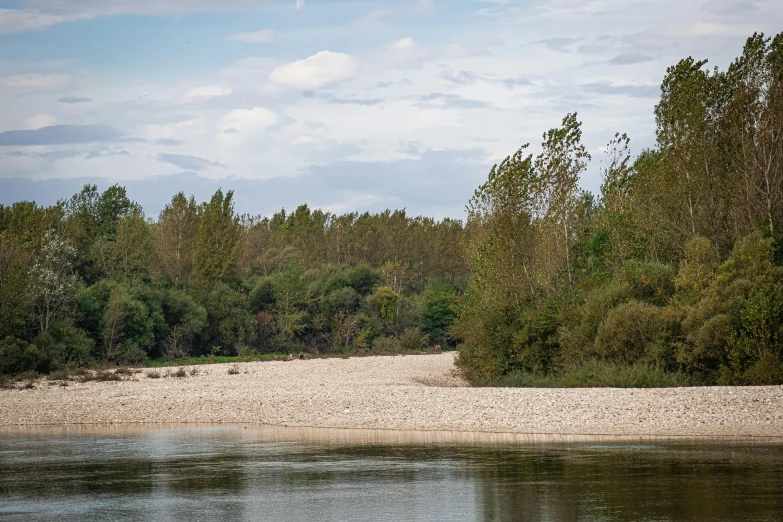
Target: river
x=265, y=473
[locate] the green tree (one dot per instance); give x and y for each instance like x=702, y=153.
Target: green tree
x=439, y=304
x=175, y=237
x=558, y=167
x=51, y=282
x=13, y=287
x=218, y=246
x=290, y=298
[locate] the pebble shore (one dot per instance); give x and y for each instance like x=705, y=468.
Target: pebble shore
x=413, y=392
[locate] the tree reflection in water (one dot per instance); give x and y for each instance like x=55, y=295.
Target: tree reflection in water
x=278, y=474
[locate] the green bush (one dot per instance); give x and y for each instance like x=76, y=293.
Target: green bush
x=649, y=282
x=385, y=302
x=634, y=331
x=733, y=333
x=386, y=345
x=361, y=278
x=438, y=316
x=18, y=356
x=413, y=339
x=577, y=336
x=262, y=297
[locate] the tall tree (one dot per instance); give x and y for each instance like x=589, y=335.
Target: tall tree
x=562, y=160
x=51, y=280
x=217, y=250
x=757, y=118
x=175, y=237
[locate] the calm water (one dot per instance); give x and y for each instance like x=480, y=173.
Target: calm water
x=236, y=473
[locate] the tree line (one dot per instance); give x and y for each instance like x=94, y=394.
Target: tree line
x=92, y=280
x=671, y=274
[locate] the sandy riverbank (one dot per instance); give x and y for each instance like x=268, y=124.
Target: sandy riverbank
x=399, y=393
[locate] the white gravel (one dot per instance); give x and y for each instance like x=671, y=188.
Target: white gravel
x=415, y=392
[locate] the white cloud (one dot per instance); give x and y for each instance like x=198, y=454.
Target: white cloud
x=299, y=4
x=408, y=53
x=41, y=120
x=264, y=36
x=36, y=81
x=238, y=124
x=185, y=130
x=321, y=69
x=206, y=92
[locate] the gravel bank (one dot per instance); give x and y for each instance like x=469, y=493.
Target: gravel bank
x=398, y=393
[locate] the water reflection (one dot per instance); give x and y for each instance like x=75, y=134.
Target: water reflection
x=266, y=473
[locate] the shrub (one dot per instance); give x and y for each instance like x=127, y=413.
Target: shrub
x=649, y=282
x=153, y=374
x=234, y=369
x=594, y=374
x=697, y=270
x=413, y=339
x=131, y=354
x=633, y=331
x=385, y=302
x=386, y=345
x=733, y=332
x=18, y=356
x=346, y=300
x=246, y=352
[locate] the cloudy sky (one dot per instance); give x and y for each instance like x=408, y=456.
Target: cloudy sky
x=344, y=105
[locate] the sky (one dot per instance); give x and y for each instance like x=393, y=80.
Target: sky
x=343, y=105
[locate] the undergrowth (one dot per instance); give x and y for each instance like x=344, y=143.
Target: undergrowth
x=593, y=374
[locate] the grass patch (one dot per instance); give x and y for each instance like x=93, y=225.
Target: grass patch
x=153, y=375
x=179, y=374
x=234, y=370
x=594, y=374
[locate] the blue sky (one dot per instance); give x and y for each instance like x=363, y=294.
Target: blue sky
x=344, y=105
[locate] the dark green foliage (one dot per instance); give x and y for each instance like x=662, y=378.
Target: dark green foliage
x=439, y=311
x=361, y=278
x=262, y=297
x=66, y=345
x=18, y=356
x=651, y=283
x=228, y=326
x=13, y=282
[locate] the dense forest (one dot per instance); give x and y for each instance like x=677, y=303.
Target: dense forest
x=672, y=274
